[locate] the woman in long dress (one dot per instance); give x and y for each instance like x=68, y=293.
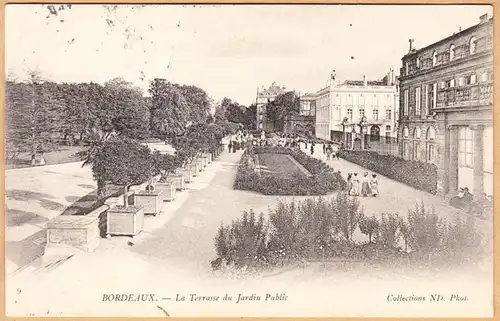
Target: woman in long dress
x=374, y=185
x=365, y=185
x=355, y=185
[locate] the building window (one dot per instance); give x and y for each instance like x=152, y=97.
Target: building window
x=388, y=114
x=434, y=95
x=406, y=132
x=261, y=117
x=442, y=84
x=426, y=100
x=452, y=83
x=417, y=133
x=434, y=58
x=361, y=113
x=349, y=114
x=472, y=45
x=461, y=81
x=484, y=77
x=416, y=150
x=465, y=147
x=418, y=62
x=407, y=68
x=430, y=152
x=375, y=114
x=417, y=100
x=405, y=103
x=452, y=52
x=388, y=128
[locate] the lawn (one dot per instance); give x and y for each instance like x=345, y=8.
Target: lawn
x=65, y=154
x=280, y=164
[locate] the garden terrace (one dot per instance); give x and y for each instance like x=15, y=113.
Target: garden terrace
x=281, y=164
x=282, y=178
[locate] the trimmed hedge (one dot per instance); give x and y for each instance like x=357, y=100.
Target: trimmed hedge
x=323, y=180
x=422, y=176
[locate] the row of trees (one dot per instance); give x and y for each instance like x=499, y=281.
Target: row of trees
x=42, y=115
x=123, y=161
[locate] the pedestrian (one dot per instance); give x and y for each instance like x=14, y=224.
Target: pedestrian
x=324, y=148
x=374, y=185
x=355, y=185
x=305, y=142
x=312, y=149
x=230, y=145
x=328, y=152
x=365, y=185
x=349, y=183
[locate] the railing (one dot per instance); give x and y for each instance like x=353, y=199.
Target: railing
x=468, y=96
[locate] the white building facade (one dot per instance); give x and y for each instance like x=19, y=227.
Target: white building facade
x=345, y=111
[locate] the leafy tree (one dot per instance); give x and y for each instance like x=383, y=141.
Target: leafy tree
x=283, y=105
x=369, y=226
x=425, y=230
x=169, y=112
x=122, y=161
x=389, y=233
x=164, y=164
x=130, y=112
x=250, y=117
x=198, y=102
x=33, y=116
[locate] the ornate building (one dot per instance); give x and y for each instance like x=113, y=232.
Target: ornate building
x=446, y=108
x=360, y=113
x=263, y=97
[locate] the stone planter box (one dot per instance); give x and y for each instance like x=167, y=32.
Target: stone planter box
x=202, y=162
x=125, y=220
x=194, y=168
x=150, y=201
x=186, y=173
x=208, y=156
x=178, y=181
x=73, y=231
x=167, y=190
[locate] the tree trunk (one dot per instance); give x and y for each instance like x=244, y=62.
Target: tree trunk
x=101, y=189
x=125, y=196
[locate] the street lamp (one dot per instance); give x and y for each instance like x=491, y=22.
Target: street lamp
x=345, y=121
x=362, y=124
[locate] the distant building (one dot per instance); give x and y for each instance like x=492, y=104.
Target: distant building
x=360, y=113
x=446, y=113
x=308, y=104
x=263, y=97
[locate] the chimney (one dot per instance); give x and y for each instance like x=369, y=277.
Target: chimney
x=411, y=45
x=364, y=80
x=391, y=77
x=484, y=18
x=459, y=29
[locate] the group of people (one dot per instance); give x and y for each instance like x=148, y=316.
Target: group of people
x=464, y=200
x=366, y=186
x=331, y=151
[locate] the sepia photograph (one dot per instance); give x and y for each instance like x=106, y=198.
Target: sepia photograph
x=238, y=160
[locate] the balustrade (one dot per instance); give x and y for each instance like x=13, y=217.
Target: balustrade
x=469, y=96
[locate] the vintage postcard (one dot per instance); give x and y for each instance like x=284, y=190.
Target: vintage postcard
x=249, y=160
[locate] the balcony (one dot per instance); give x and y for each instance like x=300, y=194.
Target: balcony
x=470, y=96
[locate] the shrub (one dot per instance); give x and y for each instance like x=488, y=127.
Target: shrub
x=369, y=226
x=347, y=213
x=389, y=233
x=243, y=243
x=319, y=228
x=322, y=181
x=424, y=230
x=422, y=176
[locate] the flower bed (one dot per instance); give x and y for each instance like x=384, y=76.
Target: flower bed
x=422, y=176
x=322, y=181
x=324, y=230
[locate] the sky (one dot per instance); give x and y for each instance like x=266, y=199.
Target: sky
x=228, y=50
